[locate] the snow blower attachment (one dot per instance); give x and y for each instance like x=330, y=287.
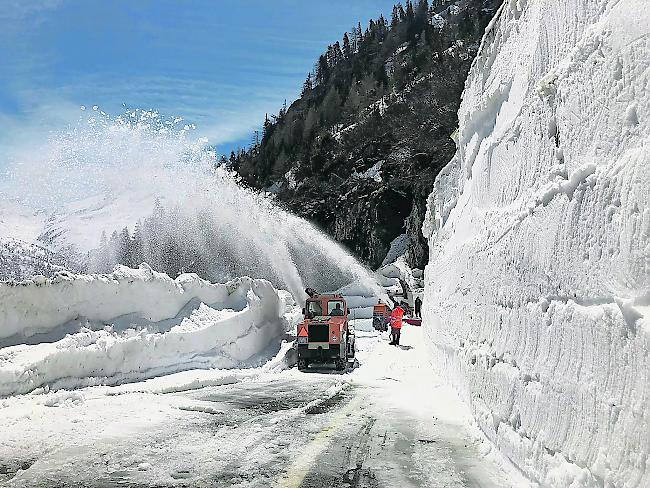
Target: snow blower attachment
x=325, y=334
x=380, y=316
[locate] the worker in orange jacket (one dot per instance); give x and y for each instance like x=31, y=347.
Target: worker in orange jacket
x=396, y=325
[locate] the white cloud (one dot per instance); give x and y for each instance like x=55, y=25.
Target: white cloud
x=17, y=15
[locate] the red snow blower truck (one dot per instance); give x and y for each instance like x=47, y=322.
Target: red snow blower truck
x=325, y=334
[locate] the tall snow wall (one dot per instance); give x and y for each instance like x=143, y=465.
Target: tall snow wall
x=538, y=287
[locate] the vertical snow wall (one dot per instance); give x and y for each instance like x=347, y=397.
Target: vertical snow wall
x=538, y=287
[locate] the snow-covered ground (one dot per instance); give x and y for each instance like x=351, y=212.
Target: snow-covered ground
x=390, y=422
x=538, y=287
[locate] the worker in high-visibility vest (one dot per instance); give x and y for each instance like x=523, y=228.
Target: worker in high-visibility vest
x=396, y=325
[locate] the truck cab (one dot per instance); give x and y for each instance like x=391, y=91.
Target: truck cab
x=325, y=335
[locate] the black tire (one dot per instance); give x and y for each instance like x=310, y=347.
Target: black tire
x=351, y=352
x=302, y=364
x=340, y=364
x=376, y=323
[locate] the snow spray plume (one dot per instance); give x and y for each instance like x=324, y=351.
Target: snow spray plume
x=181, y=212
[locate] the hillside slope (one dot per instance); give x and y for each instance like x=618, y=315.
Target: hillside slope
x=538, y=286
x=357, y=153
x=20, y=260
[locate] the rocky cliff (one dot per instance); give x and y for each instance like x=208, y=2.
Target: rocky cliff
x=357, y=153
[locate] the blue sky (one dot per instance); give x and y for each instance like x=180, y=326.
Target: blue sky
x=220, y=64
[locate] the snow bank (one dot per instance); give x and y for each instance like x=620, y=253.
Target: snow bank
x=538, y=284
x=39, y=305
x=204, y=326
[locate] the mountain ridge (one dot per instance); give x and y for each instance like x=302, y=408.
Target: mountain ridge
x=384, y=98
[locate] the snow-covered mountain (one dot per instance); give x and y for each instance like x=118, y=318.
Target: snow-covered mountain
x=20, y=260
x=538, y=286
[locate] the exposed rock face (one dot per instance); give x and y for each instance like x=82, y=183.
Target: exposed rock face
x=358, y=153
x=538, y=285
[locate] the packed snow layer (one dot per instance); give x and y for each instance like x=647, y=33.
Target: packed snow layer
x=131, y=324
x=538, y=286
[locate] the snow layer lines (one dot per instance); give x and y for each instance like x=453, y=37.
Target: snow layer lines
x=79, y=330
x=538, y=287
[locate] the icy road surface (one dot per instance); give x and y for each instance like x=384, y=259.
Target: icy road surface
x=388, y=423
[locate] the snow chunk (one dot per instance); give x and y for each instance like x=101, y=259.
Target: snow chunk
x=65, y=399
x=373, y=173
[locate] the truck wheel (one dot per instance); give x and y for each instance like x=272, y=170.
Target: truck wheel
x=302, y=364
x=340, y=364
x=351, y=351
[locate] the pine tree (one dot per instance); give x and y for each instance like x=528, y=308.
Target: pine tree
x=394, y=18
x=381, y=28
x=322, y=70
x=103, y=241
x=410, y=14
x=307, y=86
x=137, y=245
x=124, y=248
x=422, y=13
x=346, y=46
x=465, y=25
x=266, y=128
x=337, y=54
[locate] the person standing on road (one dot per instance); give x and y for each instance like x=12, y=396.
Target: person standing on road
x=418, y=307
x=396, y=325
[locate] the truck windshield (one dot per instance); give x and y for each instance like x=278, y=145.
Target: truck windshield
x=315, y=309
x=335, y=308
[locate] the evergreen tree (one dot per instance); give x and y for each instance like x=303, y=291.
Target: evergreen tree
x=394, y=18
x=137, y=245
x=322, y=70
x=354, y=42
x=410, y=14
x=347, y=52
x=266, y=128
x=307, y=86
x=124, y=248
x=422, y=13
x=465, y=25
x=337, y=54
x=402, y=14
x=381, y=28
